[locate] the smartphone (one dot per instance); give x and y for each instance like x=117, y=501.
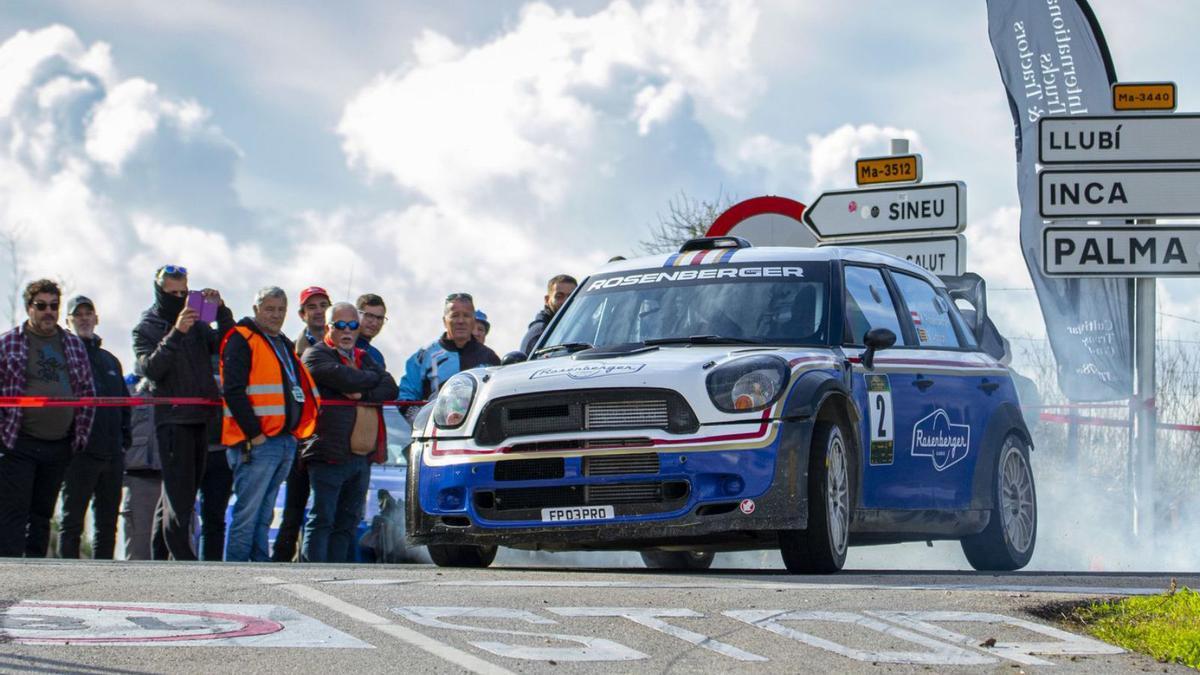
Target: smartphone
x=207, y=310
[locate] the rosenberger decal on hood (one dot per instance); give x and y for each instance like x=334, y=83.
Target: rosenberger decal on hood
x=731, y=272
x=587, y=372
x=944, y=442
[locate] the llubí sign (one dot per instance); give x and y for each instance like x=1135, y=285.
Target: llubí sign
x=1140, y=251
x=1141, y=139
x=1054, y=62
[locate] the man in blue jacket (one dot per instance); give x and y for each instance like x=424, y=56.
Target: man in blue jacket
x=95, y=475
x=455, y=351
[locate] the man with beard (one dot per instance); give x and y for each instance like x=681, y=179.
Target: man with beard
x=96, y=474
x=38, y=358
x=174, y=351
x=558, y=290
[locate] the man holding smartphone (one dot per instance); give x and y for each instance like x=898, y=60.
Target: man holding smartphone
x=174, y=351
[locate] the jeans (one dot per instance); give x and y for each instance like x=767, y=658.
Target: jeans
x=183, y=449
x=255, y=487
x=31, y=473
x=339, y=496
x=142, y=491
x=215, y=490
x=96, y=480
x=294, y=502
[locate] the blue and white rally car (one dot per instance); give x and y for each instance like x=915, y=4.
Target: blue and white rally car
x=725, y=398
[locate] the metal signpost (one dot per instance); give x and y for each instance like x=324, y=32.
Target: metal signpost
x=1136, y=167
x=919, y=222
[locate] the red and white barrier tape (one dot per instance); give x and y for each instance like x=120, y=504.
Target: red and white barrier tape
x=132, y=401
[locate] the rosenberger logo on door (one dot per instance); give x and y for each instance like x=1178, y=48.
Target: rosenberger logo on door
x=944, y=442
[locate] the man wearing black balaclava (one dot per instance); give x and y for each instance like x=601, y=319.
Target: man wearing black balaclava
x=174, y=351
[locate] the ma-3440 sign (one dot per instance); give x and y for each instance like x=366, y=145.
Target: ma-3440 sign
x=1137, y=251
x=926, y=208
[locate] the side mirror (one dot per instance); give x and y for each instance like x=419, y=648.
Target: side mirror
x=876, y=339
x=513, y=357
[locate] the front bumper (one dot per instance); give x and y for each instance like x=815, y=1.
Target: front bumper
x=696, y=498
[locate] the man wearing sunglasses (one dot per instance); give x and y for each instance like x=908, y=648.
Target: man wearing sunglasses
x=38, y=358
x=455, y=351
x=348, y=439
x=174, y=352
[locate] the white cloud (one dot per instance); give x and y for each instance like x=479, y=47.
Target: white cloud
x=524, y=108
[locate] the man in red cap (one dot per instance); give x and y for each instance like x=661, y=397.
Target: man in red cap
x=314, y=300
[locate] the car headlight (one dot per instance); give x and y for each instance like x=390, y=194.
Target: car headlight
x=454, y=401
x=747, y=384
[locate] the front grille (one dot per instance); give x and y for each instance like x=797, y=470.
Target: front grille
x=514, y=499
x=530, y=469
x=616, y=465
x=582, y=410
x=627, y=415
x=590, y=444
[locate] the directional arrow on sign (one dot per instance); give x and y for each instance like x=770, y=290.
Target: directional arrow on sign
x=932, y=207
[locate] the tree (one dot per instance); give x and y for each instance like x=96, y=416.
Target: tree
x=10, y=242
x=686, y=218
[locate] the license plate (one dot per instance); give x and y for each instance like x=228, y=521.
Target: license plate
x=573, y=513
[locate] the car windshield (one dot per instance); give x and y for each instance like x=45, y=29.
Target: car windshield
x=780, y=303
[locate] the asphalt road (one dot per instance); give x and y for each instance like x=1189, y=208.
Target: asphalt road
x=213, y=618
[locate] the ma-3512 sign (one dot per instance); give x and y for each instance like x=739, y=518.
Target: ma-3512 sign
x=1119, y=193
x=1137, y=251
x=931, y=207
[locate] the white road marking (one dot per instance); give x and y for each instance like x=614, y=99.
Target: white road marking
x=1064, y=643
x=421, y=641
x=940, y=653
x=593, y=649
x=158, y=624
x=650, y=618
x=365, y=582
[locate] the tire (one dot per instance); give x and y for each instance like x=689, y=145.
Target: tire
x=678, y=560
x=821, y=549
x=461, y=555
x=1007, y=542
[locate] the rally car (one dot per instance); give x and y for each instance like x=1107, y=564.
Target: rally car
x=730, y=397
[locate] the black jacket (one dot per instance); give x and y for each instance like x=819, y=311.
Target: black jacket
x=111, y=431
x=334, y=380
x=236, y=364
x=180, y=364
x=536, y=328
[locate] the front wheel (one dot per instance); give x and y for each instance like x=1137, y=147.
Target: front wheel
x=821, y=549
x=461, y=555
x=678, y=560
x=1007, y=542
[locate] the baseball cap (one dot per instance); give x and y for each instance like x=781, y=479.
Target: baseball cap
x=311, y=291
x=482, y=318
x=74, y=303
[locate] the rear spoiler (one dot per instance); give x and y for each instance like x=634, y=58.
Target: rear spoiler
x=972, y=289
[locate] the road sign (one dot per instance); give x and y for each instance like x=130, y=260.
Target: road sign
x=1144, y=96
x=931, y=207
x=940, y=255
x=1119, y=193
x=1133, y=251
x=890, y=169
x=1143, y=139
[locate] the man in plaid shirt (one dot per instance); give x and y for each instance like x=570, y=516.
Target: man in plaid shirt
x=39, y=359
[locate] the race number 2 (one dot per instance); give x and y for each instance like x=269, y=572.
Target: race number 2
x=883, y=436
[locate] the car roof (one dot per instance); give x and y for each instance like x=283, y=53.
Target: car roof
x=778, y=254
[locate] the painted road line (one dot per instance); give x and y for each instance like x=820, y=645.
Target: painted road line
x=652, y=618
x=592, y=649
x=154, y=624
x=421, y=641
x=365, y=582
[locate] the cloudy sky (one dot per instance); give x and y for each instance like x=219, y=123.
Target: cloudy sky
x=414, y=149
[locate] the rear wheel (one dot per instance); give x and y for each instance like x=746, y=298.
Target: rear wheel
x=461, y=555
x=678, y=560
x=1007, y=541
x=821, y=549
